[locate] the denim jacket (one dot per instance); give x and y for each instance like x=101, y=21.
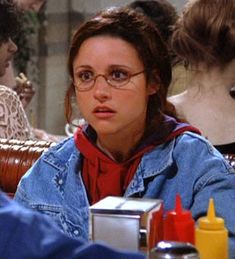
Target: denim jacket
x=188, y=165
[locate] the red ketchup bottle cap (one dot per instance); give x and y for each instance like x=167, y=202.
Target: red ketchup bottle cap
x=179, y=224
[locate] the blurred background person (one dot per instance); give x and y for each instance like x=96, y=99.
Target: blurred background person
x=15, y=123
x=21, y=84
x=27, y=5
x=204, y=38
x=13, y=120
x=164, y=14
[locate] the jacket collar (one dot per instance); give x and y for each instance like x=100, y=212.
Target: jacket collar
x=146, y=168
x=163, y=153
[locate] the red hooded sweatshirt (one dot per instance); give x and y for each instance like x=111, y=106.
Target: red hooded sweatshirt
x=103, y=176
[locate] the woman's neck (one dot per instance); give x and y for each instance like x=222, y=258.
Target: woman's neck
x=211, y=81
x=118, y=148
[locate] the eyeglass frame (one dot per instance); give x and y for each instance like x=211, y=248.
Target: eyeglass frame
x=107, y=81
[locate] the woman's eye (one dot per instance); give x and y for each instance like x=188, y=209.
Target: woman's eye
x=119, y=75
x=85, y=76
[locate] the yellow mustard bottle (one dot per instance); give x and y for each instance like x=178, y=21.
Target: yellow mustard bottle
x=211, y=236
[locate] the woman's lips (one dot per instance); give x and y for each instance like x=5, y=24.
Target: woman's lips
x=103, y=112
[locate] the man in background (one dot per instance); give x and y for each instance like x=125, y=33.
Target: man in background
x=21, y=84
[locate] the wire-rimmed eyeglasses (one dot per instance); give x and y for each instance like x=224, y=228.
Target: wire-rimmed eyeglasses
x=86, y=80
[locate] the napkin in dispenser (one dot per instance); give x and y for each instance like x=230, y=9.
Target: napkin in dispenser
x=123, y=222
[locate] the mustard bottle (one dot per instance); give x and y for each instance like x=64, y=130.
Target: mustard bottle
x=211, y=236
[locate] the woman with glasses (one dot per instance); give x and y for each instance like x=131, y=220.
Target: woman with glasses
x=131, y=144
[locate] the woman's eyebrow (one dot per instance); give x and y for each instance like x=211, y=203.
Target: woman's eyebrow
x=119, y=66
x=82, y=66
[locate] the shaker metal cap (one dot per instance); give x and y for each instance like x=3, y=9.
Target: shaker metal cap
x=174, y=250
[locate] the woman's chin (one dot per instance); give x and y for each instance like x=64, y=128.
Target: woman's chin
x=105, y=130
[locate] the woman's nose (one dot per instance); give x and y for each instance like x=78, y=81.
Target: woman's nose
x=12, y=46
x=102, y=90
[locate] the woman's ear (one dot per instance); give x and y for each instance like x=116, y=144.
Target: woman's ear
x=152, y=88
x=154, y=83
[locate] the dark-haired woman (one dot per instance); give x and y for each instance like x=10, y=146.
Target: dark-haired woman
x=130, y=146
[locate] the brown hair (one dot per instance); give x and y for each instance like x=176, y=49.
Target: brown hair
x=9, y=20
x=205, y=33
x=164, y=15
x=134, y=28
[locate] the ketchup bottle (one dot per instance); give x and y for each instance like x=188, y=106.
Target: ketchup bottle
x=156, y=228
x=179, y=224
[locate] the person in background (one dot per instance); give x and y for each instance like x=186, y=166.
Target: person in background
x=27, y=234
x=132, y=144
x=204, y=37
x=13, y=120
x=164, y=16
x=21, y=84
x=28, y=5
x=24, y=89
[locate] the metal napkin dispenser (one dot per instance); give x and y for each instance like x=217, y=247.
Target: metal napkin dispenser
x=122, y=222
